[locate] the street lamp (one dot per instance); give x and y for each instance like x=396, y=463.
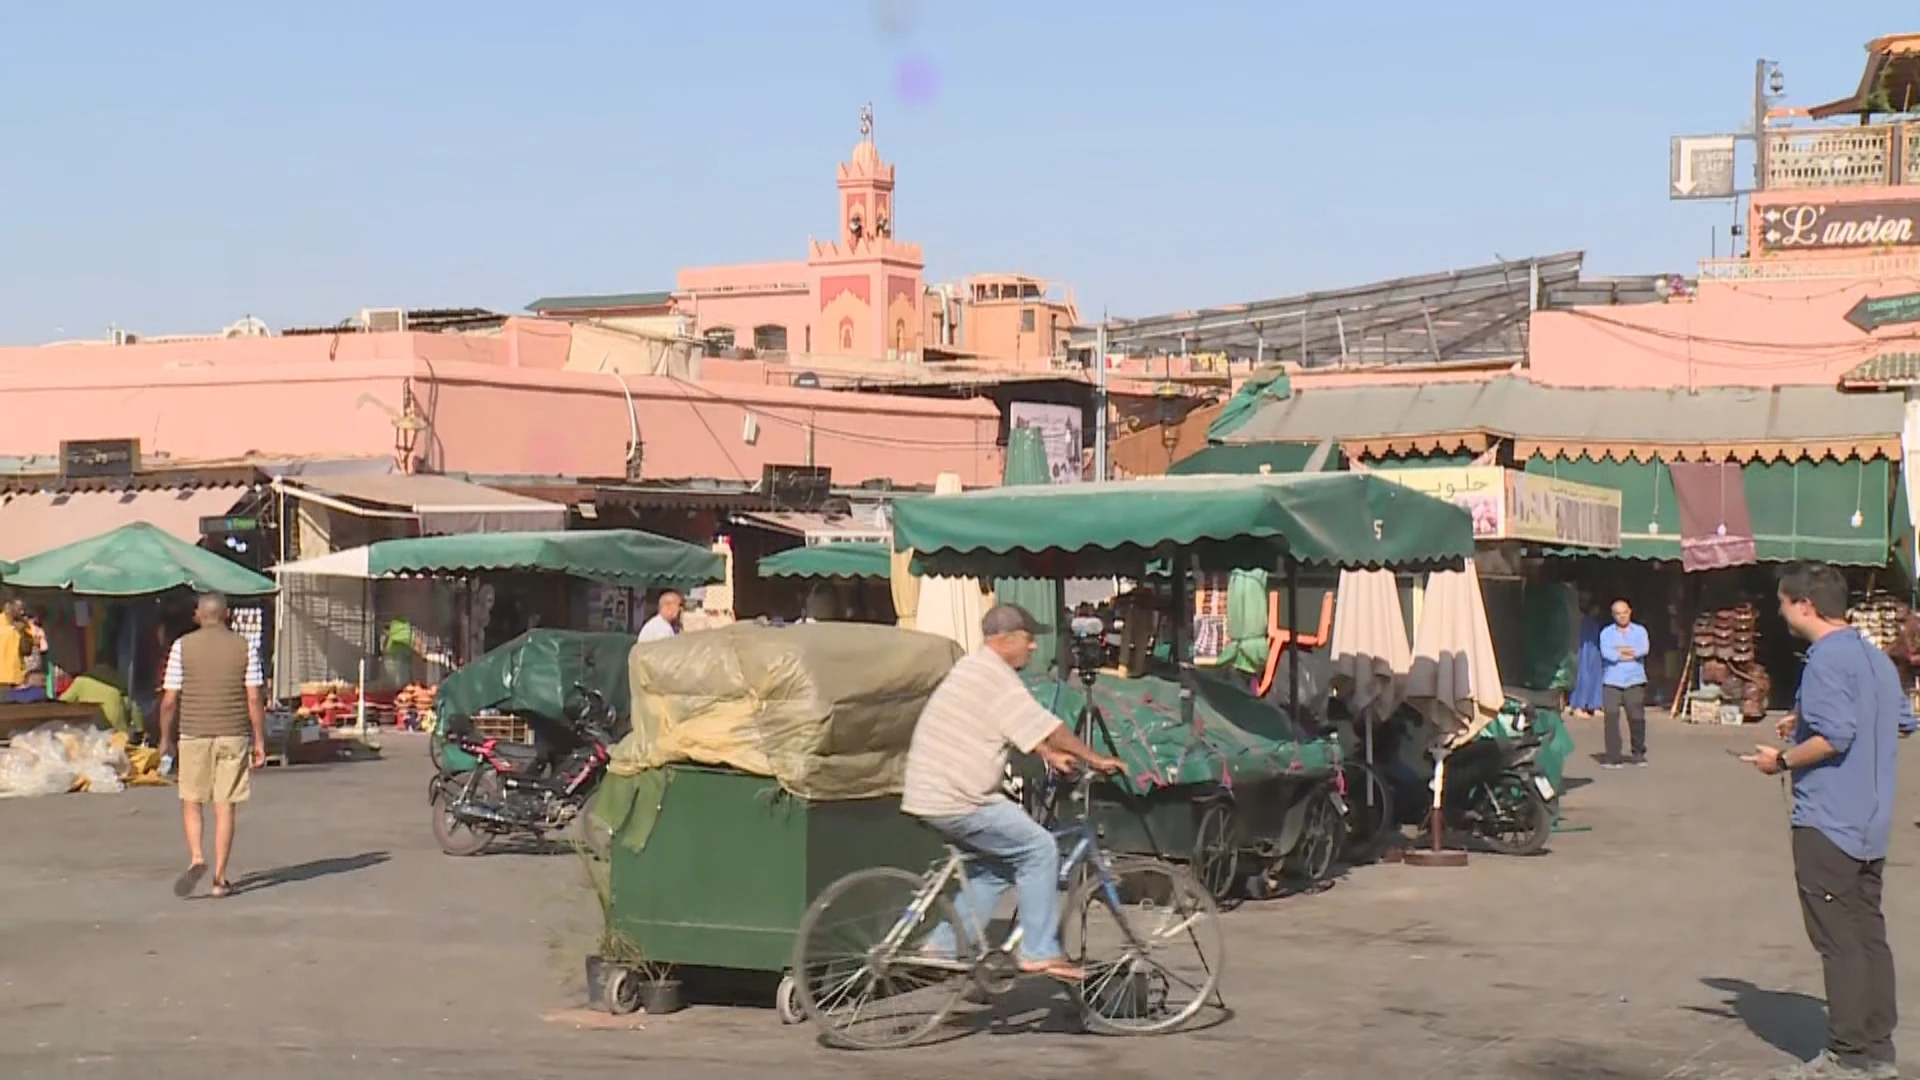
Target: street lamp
x=1169, y=397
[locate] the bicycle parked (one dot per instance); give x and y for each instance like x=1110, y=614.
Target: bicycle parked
x=867, y=947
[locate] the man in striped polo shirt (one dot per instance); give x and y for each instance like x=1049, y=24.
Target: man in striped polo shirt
x=955, y=766
x=212, y=711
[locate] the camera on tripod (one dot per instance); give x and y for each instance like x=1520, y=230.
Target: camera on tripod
x=1089, y=646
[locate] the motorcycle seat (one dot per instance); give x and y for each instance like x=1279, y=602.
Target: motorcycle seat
x=518, y=753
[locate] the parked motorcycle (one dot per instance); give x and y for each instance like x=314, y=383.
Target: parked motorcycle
x=530, y=790
x=1494, y=794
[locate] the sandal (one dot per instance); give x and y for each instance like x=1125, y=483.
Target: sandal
x=184, y=884
x=1056, y=968
x=221, y=890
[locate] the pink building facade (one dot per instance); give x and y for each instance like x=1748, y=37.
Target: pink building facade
x=500, y=405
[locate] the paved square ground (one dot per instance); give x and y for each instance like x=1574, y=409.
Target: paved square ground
x=1663, y=943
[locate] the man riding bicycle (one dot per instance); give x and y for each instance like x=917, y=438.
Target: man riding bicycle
x=955, y=766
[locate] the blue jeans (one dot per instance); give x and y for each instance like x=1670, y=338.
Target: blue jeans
x=1013, y=850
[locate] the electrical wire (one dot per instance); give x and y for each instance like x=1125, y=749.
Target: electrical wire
x=851, y=436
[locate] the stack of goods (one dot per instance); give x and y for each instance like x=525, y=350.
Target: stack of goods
x=1889, y=623
x=1726, y=642
x=56, y=758
x=332, y=703
x=413, y=708
x=251, y=623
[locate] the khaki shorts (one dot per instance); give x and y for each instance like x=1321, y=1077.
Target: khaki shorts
x=215, y=770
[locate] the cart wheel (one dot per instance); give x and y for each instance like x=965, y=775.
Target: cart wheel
x=1216, y=860
x=623, y=991
x=1321, y=834
x=786, y=1001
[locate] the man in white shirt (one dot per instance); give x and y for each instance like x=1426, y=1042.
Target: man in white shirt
x=955, y=765
x=666, y=619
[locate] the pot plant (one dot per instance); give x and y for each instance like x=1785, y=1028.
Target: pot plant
x=620, y=977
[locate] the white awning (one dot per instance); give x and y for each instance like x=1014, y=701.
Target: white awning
x=443, y=505
x=351, y=563
x=41, y=521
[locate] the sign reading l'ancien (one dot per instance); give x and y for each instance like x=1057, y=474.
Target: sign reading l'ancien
x=1835, y=227
x=92, y=458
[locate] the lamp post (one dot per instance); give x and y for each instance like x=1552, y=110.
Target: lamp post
x=1169, y=397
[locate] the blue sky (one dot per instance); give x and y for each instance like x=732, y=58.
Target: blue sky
x=171, y=167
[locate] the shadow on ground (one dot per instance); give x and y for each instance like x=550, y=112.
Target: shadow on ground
x=307, y=871
x=1794, y=1023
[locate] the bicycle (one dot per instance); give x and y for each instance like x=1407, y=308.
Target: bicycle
x=1155, y=906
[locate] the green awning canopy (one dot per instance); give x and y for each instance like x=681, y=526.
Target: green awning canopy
x=1245, y=459
x=138, y=559
x=848, y=560
x=1071, y=530
x=1799, y=510
x=611, y=556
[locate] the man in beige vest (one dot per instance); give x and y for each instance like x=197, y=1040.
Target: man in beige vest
x=213, y=720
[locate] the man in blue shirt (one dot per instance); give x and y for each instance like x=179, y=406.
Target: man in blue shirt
x=1623, y=684
x=1848, y=716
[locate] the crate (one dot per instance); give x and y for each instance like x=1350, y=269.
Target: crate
x=503, y=727
x=1703, y=710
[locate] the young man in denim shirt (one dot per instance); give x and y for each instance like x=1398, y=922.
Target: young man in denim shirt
x=1848, y=717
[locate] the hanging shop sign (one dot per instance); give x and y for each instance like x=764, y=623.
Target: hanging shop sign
x=85, y=459
x=1506, y=504
x=1837, y=227
x=1549, y=510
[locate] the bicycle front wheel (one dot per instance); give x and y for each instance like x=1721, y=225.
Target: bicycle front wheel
x=867, y=968
x=1152, y=950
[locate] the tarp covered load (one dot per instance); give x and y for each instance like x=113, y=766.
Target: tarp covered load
x=534, y=675
x=827, y=709
x=1230, y=737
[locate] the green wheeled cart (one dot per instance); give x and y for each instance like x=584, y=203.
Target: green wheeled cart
x=731, y=862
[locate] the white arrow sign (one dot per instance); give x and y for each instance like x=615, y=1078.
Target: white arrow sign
x=1701, y=167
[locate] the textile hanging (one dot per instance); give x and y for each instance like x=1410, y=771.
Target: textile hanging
x=1715, y=528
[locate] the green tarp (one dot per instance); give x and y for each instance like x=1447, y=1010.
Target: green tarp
x=1799, y=510
x=612, y=556
x=1027, y=467
x=138, y=559
x=1229, y=737
x=1270, y=384
x=534, y=675
x=1243, y=459
x=1096, y=529
x=849, y=560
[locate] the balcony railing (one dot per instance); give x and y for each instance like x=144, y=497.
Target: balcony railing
x=1840, y=157
x=1814, y=268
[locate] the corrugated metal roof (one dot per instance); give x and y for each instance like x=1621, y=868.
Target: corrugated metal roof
x=1712, y=424
x=601, y=302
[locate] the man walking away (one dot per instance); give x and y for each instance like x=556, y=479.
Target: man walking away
x=211, y=702
x=1623, y=682
x=1847, y=718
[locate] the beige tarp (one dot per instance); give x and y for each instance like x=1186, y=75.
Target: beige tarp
x=827, y=709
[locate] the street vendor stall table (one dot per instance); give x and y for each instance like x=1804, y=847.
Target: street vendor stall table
x=1216, y=773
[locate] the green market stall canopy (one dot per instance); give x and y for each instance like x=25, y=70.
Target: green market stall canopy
x=609, y=556
x=137, y=559
x=847, y=560
x=1076, y=530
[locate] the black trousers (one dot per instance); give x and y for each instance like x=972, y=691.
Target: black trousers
x=1840, y=898
x=1631, y=700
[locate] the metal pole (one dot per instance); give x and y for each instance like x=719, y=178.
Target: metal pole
x=1100, y=399
x=1760, y=124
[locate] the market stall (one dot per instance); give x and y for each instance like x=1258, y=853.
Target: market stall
x=1218, y=773
x=400, y=613
x=108, y=596
x=843, y=582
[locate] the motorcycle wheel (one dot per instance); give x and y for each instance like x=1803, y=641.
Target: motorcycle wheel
x=456, y=837
x=1370, y=812
x=1509, y=816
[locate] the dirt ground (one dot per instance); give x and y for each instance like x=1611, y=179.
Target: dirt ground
x=1663, y=943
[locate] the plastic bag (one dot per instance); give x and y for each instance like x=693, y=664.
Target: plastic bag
x=57, y=758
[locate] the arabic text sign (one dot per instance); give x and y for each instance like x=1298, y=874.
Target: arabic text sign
x=1479, y=490
x=1548, y=510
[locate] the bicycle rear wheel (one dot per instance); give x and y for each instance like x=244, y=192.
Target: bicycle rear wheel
x=1163, y=981
x=861, y=991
